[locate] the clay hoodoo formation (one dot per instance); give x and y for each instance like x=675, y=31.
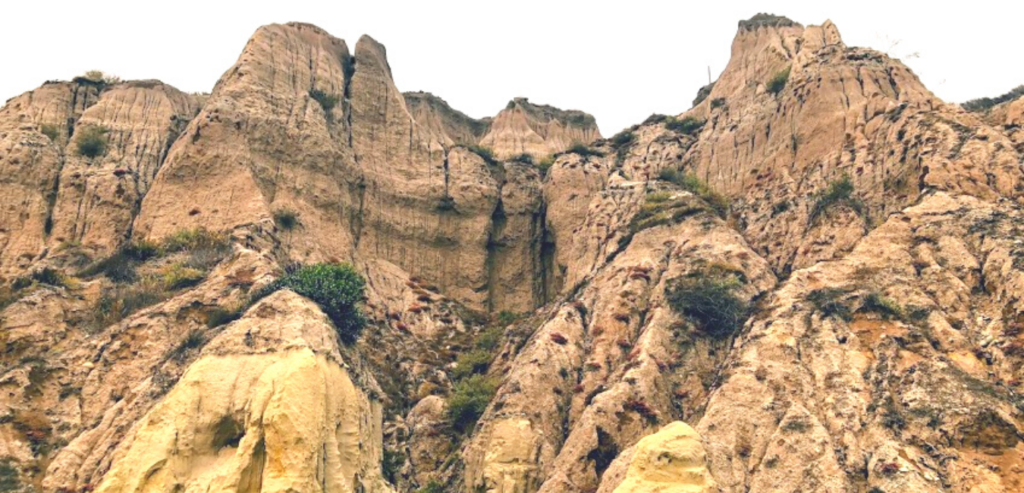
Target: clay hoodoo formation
x=307, y=280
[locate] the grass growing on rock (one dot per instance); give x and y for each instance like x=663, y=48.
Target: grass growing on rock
x=91, y=141
x=694, y=185
x=688, y=125
x=840, y=192
x=468, y=401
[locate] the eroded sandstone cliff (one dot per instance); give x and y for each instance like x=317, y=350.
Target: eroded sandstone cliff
x=810, y=281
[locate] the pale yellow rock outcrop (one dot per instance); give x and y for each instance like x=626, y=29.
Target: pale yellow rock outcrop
x=278, y=419
x=669, y=461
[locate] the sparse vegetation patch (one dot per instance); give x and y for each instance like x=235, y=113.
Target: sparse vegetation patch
x=778, y=81
x=709, y=298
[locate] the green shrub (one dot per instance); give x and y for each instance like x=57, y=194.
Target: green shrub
x=829, y=302
x=220, y=316
x=327, y=101
x=545, y=165
x=703, y=93
x=124, y=300
x=51, y=131
x=839, y=192
x=778, y=81
x=584, y=151
x=337, y=288
x=446, y=204
x=489, y=339
x=485, y=153
x=717, y=103
x=469, y=400
x=708, y=298
x=766, y=20
x=523, y=158
x=658, y=209
x=623, y=138
x=286, y=218
x=982, y=104
x=118, y=267
x=49, y=276
x=141, y=250
x=506, y=317
x=655, y=119
x=91, y=141
x=178, y=276
x=473, y=362
x=391, y=464
x=688, y=125
x=886, y=307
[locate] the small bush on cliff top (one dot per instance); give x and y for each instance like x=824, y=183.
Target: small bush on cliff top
x=469, y=400
x=982, y=104
x=91, y=141
x=584, y=151
x=688, y=125
x=337, y=288
x=485, y=153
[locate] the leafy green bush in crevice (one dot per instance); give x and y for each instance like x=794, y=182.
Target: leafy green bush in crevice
x=523, y=158
x=91, y=141
x=473, y=362
x=839, y=192
x=50, y=131
x=777, y=83
x=327, y=101
x=886, y=307
x=337, y=288
x=708, y=297
x=286, y=219
x=468, y=401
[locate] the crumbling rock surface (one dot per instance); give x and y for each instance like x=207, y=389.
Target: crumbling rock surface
x=858, y=242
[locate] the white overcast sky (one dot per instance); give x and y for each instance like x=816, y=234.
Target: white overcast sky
x=620, y=61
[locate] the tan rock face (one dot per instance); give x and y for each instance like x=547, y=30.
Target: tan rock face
x=445, y=124
x=770, y=151
x=98, y=197
x=30, y=164
x=856, y=335
x=538, y=130
x=669, y=461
